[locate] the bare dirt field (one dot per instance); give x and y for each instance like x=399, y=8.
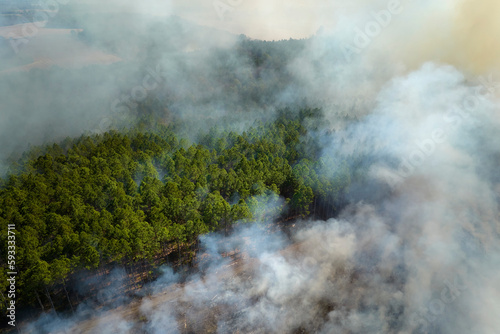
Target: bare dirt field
x=47, y=47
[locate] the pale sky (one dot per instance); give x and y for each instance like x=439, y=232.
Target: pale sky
x=263, y=19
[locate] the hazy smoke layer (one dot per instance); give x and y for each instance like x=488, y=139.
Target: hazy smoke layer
x=73, y=83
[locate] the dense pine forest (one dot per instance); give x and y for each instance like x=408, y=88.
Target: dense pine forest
x=141, y=197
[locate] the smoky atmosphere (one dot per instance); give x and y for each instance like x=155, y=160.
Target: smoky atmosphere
x=236, y=166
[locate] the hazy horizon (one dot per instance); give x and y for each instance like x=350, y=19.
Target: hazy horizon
x=267, y=20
